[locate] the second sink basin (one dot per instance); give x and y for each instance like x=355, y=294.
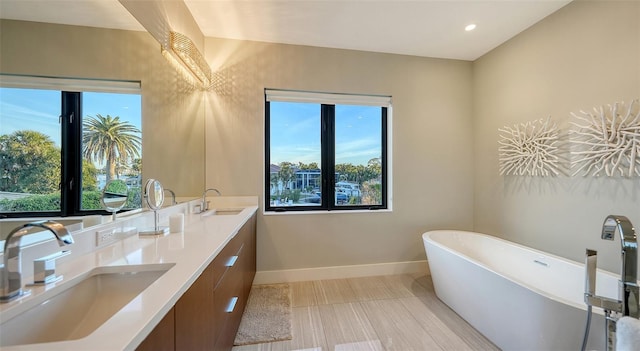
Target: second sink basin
x=80, y=307
x=222, y=212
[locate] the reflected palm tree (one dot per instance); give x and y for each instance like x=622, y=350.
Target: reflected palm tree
x=108, y=139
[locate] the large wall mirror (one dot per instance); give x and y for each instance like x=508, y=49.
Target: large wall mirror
x=170, y=123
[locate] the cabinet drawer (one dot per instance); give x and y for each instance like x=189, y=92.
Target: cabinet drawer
x=230, y=302
x=225, y=259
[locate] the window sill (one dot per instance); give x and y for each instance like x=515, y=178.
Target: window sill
x=323, y=212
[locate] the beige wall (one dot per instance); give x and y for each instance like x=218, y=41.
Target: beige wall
x=587, y=54
x=172, y=112
x=445, y=119
x=432, y=158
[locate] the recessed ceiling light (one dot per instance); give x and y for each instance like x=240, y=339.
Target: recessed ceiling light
x=470, y=27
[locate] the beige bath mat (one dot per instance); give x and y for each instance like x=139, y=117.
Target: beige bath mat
x=267, y=317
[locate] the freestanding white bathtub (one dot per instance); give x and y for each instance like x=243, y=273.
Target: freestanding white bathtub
x=518, y=297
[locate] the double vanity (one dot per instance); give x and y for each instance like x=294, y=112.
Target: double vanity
x=181, y=291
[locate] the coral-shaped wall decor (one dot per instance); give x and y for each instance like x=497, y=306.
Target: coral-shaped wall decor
x=529, y=148
x=607, y=141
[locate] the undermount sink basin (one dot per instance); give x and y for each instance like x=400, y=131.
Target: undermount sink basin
x=222, y=212
x=81, y=306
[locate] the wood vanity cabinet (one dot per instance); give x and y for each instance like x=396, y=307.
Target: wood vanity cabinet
x=207, y=316
x=236, y=287
x=162, y=338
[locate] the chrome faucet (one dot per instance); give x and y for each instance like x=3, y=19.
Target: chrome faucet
x=629, y=273
x=11, y=271
x=173, y=196
x=627, y=303
x=204, y=205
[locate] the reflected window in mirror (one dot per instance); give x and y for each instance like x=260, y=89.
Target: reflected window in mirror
x=63, y=140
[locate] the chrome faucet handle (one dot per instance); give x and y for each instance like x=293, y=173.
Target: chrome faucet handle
x=591, y=264
x=44, y=268
x=590, y=297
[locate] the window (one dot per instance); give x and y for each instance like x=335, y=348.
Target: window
x=325, y=151
x=61, y=140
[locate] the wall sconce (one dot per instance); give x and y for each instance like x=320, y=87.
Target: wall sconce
x=182, y=53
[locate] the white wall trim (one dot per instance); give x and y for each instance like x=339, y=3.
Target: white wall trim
x=340, y=272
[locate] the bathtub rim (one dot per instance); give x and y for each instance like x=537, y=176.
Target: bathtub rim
x=426, y=237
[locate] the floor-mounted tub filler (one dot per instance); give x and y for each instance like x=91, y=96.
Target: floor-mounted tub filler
x=627, y=304
x=518, y=297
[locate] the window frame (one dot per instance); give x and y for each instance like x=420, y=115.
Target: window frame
x=71, y=134
x=327, y=103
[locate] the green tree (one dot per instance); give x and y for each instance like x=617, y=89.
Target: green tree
x=308, y=167
x=360, y=173
x=136, y=166
x=91, y=200
x=347, y=171
x=371, y=193
x=29, y=162
x=134, y=198
x=32, y=203
x=274, y=179
x=287, y=173
x=109, y=140
x=374, y=168
x=89, y=176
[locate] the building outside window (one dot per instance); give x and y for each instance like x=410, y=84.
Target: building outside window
x=326, y=151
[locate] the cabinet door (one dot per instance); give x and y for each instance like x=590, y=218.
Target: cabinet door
x=194, y=311
x=162, y=337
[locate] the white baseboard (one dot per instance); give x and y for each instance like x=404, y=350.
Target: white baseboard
x=340, y=272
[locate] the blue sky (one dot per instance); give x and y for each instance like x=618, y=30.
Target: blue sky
x=32, y=109
x=295, y=133
x=295, y=127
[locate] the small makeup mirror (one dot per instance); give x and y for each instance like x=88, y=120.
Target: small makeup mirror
x=154, y=194
x=154, y=197
x=114, y=196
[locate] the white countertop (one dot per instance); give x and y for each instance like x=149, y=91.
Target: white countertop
x=191, y=252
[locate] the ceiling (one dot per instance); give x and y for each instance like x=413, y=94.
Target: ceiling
x=423, y=28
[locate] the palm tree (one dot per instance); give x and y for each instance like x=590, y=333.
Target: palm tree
x=111, y=140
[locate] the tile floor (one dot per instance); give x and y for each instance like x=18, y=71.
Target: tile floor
x=395, y=312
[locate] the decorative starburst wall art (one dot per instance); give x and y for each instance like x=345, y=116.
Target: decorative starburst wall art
x=607, y=141
x=529, y=148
